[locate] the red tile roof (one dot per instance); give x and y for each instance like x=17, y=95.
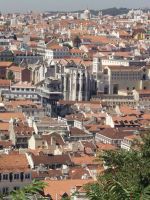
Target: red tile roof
x=5, y=83
x=57, y=188
x=13, y=163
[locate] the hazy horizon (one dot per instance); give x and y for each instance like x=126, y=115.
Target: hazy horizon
x=68, y=5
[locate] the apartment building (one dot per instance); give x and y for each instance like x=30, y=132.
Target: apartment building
x=21, y=74
x=14, y=172
x=26, y=56
x=3, y=69
x=21, y=90
x=56, y=51
x=20, y=133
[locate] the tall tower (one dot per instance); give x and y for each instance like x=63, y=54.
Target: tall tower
x=100, y=14
x=97, y=65
x=87, y=14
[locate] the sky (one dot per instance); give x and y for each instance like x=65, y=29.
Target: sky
x=68, y=5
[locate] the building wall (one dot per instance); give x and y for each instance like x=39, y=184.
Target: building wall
x=26, y=75
x=11, y=185
x=31, y=143
x=77, y=85
x=3, y=73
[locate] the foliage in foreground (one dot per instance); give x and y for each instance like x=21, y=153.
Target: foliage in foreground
x=127, y=176
x=29, y=192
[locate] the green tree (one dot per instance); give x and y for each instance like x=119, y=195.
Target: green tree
x=29, y=192
x=76, y=41
x=67, y=45
x=10, y=75
x=127, y=176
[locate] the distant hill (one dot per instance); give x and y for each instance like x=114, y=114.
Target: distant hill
x=110, y=11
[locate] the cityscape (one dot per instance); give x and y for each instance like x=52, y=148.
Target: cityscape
x=75, y=103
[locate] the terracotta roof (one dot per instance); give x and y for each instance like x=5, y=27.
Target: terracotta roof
x=76, y=51
x=54, y=159
x=102, y=146
x=56, y=47
x=123, y=54
x=144, y=92
x=123, y=33
x=16, y=68
x=57, y=188
x=88, y=160
x=78, y=172
x=96, y=115
x=128, y=110
x=5, y=64
x=52, y=173
x=72, y=117
x=76, y=132
x=4, y=126
x=89, y=144
x=5, y=83
x=5, y=144
x=146, y=116
x=23, y=129
x=7, y=116
x=96, y=127
x=114, y=134
x=13, y=163
x=22, y=103
x=125, y=120
x=132, y=137
x=99, y=39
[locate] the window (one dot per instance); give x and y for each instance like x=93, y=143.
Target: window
x=16, y=176
x=5, y=190
x=27, y=176
x=144, y=76
x=16, y=188
x=5, y=176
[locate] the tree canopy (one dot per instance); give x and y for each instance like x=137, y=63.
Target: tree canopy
x=127, y=174
x=31, y=191
x=10, y=75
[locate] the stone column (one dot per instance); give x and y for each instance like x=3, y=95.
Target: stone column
x=74, y=86
x=80, y=97
x=87, y=86
x=65, y=87
x=70, y=84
